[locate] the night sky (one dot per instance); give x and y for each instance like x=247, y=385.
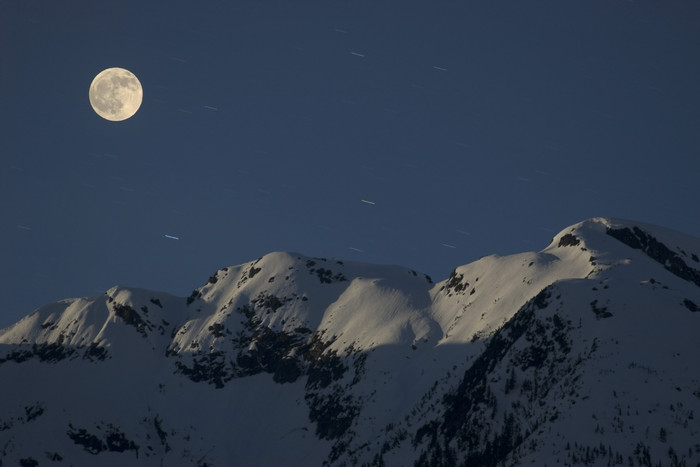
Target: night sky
x=474, y=128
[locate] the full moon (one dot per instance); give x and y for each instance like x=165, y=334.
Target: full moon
x=116, y=94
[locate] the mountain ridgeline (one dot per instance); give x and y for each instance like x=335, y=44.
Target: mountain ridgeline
x=580, y=354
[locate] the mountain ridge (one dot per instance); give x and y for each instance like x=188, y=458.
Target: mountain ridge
x=376, y=364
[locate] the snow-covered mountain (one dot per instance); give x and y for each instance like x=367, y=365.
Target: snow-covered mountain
x=581, y=354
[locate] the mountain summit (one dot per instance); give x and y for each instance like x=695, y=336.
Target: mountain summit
x=580, y=354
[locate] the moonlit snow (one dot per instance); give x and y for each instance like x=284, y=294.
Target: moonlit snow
x=580, y=354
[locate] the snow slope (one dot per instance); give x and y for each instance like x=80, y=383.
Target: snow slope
x=580, y=354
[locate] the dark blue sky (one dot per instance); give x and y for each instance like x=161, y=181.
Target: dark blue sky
x=486, y=126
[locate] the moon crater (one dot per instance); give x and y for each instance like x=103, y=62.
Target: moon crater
x=115, y=94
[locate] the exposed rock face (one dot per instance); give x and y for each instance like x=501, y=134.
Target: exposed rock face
x=581, y=354
x=638, y=239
